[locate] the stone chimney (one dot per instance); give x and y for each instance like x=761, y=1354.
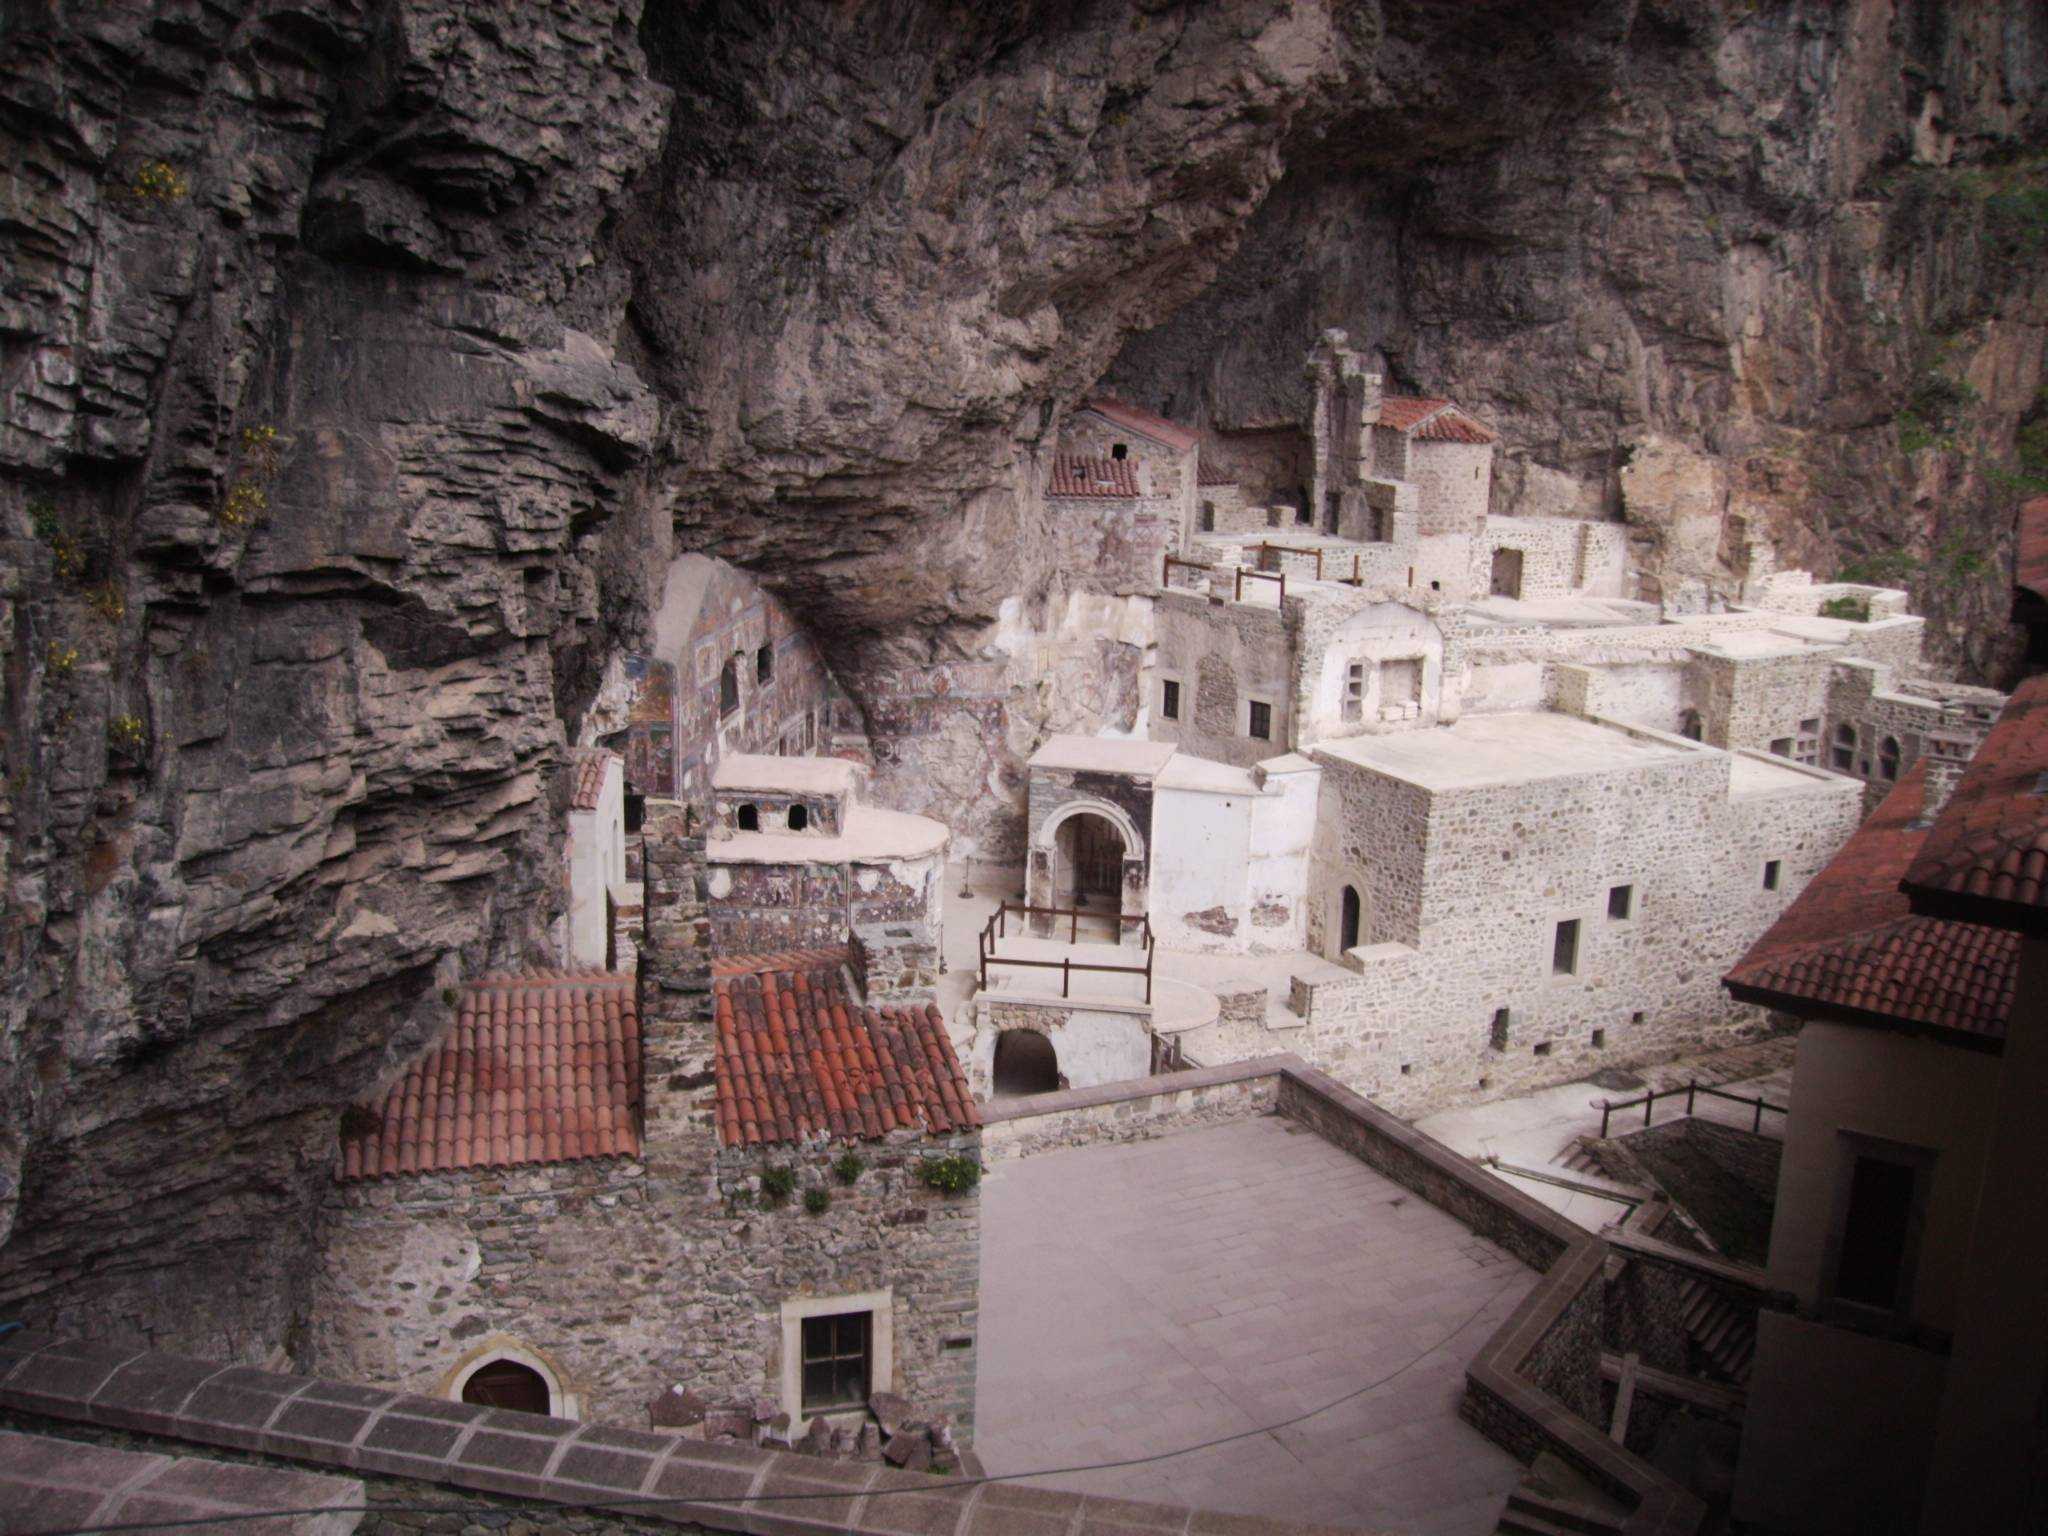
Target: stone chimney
x=1946, y=757
x=678, y=1032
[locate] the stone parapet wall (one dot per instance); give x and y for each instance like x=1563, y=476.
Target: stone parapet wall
x=1130, y=1111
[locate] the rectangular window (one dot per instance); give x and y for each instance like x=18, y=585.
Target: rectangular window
x=1169, y=699
x=764, y=664
x=1621, y=902
x=1259, y=725
x=1771, y=874
x=1564, y=949
x=1497, y=1034
x=1400, y=683
x=1807, y=750
x=1879, y=1206
x=1354, y=691
x=1782, y=747
x=836, y=1360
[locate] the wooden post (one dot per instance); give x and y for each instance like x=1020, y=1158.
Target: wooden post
x=1624, y=1398
x=1066, y=974
x=1690, y=1089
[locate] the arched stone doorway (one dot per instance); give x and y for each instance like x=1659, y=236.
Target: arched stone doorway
x=1350, y=919
x=507, y=1384
x=1025, y=1063
x=1089, y=856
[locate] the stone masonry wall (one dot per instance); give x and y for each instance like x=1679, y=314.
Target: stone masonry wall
x=1224, y=653
x=1106, y=543
x=629, y=1275
x=1500, y=867
x=1135, y=1111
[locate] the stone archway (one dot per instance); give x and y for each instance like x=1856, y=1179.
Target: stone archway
x=1089, y=855
x=1025, y=1063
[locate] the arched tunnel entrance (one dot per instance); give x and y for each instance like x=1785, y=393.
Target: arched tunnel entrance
x=1025, y=1063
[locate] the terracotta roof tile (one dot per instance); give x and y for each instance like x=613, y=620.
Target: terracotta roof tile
x=1075, y=475
x=587, y=767
x=541, y=1068
x=1204, y=475
x=1143, y=422
x=1433, y=419
x=1986, y=860
x=1850, y=949
x=798, y=1058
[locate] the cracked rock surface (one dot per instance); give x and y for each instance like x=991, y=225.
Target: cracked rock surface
x=365, y=360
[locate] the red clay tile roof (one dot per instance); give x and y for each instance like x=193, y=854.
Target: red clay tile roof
x=1850, y=949
x=587, y=765
x=543, y=1068
x=829, y=959
x=1204, y=475
x=1075, y=475
x=1986, y=861
x=2030, y=549
x=797, y=1058
x=1143, y=422
x=1433, y=419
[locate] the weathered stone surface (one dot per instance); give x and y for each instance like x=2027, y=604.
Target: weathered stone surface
x=534, y=297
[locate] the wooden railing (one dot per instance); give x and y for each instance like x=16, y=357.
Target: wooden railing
x=1237, y=596
x=998, y=927
x=1168, y=562
x=1647, y=1103
x=1264, y=548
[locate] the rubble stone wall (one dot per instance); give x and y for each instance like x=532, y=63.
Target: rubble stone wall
x=1474, y=883
x=1225, y=653
x=1453, y=483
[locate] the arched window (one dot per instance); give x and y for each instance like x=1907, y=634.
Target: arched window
x=799, y=818
x=1351, y=914
x=507, y=1384
x=749, y=818
x=729, y=686
x=1844, y=756
x=764, y=663
x=1120, y=451
x=1888, y=758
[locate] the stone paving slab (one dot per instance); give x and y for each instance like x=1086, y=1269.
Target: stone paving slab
x=1141, y=1297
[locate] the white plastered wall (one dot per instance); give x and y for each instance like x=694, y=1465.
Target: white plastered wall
x=597, y=862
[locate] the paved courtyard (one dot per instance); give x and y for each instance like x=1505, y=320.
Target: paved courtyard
x=1143, y=1297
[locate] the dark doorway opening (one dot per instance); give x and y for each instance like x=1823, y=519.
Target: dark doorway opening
x=1507, y=573
x=1349, y=922
x=507, y=1384
x=1098, y=860
x=1025, y=1063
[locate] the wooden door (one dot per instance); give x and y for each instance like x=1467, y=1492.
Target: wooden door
x=1098, y=859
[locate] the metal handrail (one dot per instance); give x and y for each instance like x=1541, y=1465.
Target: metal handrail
x=1691, y=1090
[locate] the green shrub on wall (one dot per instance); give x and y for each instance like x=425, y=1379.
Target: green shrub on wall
x=951, y=1174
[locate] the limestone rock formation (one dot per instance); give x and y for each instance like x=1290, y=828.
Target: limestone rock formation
x=362, y=359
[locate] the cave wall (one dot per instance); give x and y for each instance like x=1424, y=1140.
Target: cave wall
x=1787, y=261
x=363, y=363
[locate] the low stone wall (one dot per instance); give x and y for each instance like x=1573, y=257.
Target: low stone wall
x=502, y=1469
x=1131, y=1111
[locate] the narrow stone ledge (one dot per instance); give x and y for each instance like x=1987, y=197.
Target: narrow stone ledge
x=1165, y=1085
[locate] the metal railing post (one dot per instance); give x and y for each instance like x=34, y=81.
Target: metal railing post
x=1605, y=1109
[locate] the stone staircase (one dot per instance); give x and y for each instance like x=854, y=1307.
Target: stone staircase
x=1554, y=1500
x=1722, y=1333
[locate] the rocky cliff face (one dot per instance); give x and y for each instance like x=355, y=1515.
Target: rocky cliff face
x=362, y=359
x=1774, y=269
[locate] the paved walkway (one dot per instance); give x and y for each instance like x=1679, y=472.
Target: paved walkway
x=1143, y=1297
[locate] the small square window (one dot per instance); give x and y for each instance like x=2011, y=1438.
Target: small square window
x=1782, y=747
x=1599, y=1039
x=1564, y=949
x=1354, y=691
x=1542, y=1047
x=1621, y=902
x=1771, y=872
x=1406, y=1068
x=836, y=1361
x=1636, y=1017
x=1259, y=726
x=1169, y=699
